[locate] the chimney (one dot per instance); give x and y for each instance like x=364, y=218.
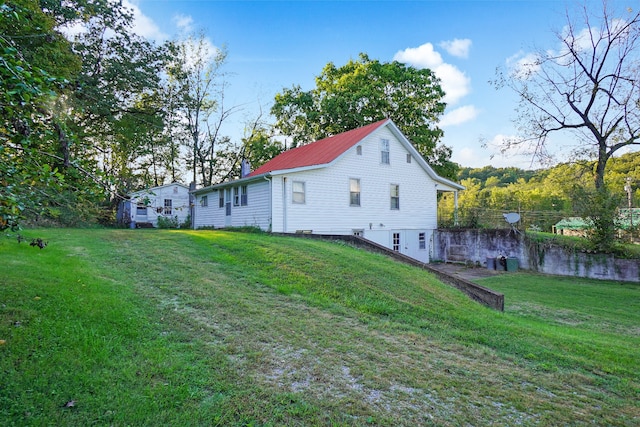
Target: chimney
x=245, y=168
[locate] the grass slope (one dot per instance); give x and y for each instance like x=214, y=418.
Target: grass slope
x=151, y=327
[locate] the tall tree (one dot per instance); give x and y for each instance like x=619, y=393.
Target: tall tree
x=589, y=87
x=197, y=79
x=66, y=105
x=36, y=63
x=119, y=69
x=364, y=91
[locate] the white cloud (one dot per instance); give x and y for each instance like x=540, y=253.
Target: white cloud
x=184, y=23
x=466, y=156
x=454, y=82
x=457, y=47
x=420, y=57
x=459, y=115
x=522, y=65
x=500, y=140
x=143, y=25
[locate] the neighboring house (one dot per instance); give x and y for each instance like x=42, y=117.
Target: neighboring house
x=577, y=226
x=369, y=182
x=571, y=226
x=143, y=207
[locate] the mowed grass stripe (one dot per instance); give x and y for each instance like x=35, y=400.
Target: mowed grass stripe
x=151, y=327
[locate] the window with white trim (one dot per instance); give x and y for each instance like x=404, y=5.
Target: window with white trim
x=204, y=201
x=354, y=192
x=394, y=191
x=298, y=192
x=141, y=209
x=384, y=151
x=422, y=241
x=220, y=199
x=236, y=196
x=168, y=208
x=396, y=241
x=244, y=199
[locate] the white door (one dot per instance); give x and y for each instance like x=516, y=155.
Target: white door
x=418, y=244
x=227, y=207
x=412, y=243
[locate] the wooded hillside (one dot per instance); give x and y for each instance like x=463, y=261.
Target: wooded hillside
x=545, y=195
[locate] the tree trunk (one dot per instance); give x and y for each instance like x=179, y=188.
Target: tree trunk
x=603, y=157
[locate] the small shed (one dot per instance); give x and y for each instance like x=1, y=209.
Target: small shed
x=143, y=208
x=571, y=226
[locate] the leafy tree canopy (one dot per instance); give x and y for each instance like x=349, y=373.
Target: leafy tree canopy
x=546, y=195
x=364, y=91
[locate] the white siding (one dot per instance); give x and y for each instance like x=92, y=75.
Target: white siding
x=327, y=207
x=278, y=196
x=155, y=197
x=210, y=215
x=255, y=213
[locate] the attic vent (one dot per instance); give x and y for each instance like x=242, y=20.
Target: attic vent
x=359, y=150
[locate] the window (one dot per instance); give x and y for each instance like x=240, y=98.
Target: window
x=395, y=196
x=236, y=196
x=297, y=187
x=384, y=151
x=396, y=241
x=422, y=243
x=221, y=199
x=354, y=192
x=167, y=207
x=244, y=200
x=408, y=158
x=204, y=201
x=141, y=209
x=359, y=150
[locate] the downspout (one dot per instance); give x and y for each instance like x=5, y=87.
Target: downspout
x=192, y=204
x=270, y=207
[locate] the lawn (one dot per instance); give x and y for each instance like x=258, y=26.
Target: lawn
x=151, y=327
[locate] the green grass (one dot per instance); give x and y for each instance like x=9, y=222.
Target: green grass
x=148, y=327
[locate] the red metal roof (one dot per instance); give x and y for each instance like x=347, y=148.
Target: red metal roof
x=319, y=152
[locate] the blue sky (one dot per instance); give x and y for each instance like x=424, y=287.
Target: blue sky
x=278, y=44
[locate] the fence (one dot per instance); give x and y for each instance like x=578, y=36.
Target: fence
x=494, y=218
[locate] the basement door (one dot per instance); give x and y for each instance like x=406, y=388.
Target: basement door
x=412, y=243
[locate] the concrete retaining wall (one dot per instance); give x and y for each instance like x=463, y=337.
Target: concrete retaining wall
x=478, y=245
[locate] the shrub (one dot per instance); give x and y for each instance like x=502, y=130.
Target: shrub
x=186, y=223
x=168, y=221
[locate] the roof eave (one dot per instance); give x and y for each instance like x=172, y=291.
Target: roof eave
x=233, y=183
x=416, y=154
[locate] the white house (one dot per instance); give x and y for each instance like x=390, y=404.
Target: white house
x=145, y=206
x=369, y=181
